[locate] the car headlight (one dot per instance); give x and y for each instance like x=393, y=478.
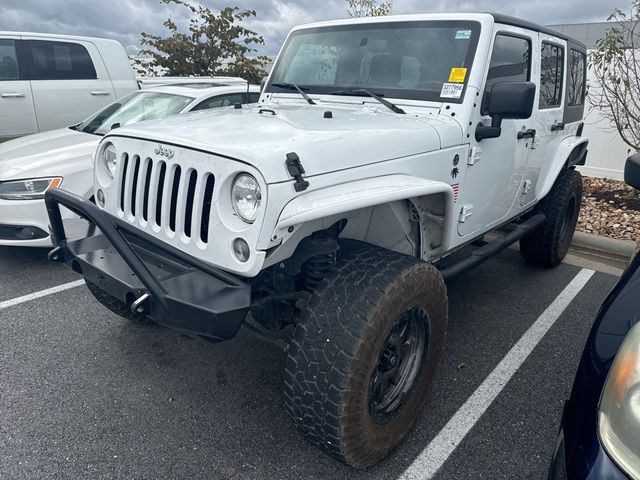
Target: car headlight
x=245, y=197
x=109, y=159
x=29, y=189
x=619, y=415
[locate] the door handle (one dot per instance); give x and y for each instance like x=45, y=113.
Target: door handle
x=557, y=126
x=100, y=93
x=12, y=95
x=531, y=133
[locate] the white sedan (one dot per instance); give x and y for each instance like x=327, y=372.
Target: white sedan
x=31, y=165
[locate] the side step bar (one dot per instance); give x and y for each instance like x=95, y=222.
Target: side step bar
x=493, y=248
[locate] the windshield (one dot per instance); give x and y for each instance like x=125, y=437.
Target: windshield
x=134, y=108
x=428, y=60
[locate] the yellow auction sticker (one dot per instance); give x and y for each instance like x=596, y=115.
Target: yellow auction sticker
x=457, y=75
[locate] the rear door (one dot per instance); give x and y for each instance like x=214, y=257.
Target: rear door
x=69, y=81
x=17, y=115
x=548, y=114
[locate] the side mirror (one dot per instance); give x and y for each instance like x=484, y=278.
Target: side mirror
x=507, y=100
x=632, y=171
x=263, y=82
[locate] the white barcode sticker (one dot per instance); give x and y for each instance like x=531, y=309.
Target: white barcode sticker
x=451, y=90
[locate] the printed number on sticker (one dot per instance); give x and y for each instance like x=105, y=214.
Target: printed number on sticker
x=451, y=90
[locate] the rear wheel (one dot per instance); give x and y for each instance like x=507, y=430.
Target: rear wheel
x=116, y=306
x=549, y=243
x=364, y=355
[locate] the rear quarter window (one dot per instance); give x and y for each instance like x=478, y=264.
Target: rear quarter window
x=220, y=101
x=59, y=61
x=576, y=80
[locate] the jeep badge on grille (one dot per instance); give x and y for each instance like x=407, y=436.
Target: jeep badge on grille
x=164, y=151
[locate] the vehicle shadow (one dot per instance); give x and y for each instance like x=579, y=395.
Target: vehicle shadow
x=222, y=404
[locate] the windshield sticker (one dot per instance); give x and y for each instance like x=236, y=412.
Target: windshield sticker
x=451, y=90
x=463, y=34
x=457, y=75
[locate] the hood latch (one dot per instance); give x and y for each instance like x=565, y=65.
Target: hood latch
x=296, y=170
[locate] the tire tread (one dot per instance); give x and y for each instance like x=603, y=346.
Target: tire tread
x=331, y=330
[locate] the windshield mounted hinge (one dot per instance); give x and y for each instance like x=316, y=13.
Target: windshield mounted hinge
x=296, y=170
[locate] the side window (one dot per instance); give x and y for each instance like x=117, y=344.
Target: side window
x=220, y=101
x=577, y=70
x=59, y=61
x=8, y=60
x=551, y=72
x=510, y=62
x=254, y=97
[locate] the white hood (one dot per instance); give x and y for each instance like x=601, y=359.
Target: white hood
x=47, y=154
x=353, y=136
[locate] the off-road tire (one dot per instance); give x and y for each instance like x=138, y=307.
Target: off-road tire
x=548, y=244
x=337, y=344
x=116, y=306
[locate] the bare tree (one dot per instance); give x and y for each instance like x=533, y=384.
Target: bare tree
x=368, y=8
x=616, y=67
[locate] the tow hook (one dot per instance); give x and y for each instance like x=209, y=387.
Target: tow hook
x=137, y=306
x=54, y=255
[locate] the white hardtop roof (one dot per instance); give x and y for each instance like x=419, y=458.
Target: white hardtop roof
x=485, y=18
x=55, y=36
x=401, y=18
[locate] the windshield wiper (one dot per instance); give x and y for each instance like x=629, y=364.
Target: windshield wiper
x=293, y=86
x=362, y=91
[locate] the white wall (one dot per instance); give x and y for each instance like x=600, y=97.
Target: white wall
x=607, y=151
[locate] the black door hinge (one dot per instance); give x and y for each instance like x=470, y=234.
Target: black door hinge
x=296, y=170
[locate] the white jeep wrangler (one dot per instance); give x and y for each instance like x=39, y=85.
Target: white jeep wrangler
x=379, y=147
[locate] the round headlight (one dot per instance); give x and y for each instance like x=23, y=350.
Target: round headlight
x=245, y=197
x=110, y=159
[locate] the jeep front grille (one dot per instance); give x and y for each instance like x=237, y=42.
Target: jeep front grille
x=166, y=195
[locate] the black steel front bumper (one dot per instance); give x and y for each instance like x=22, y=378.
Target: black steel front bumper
x=159, y=281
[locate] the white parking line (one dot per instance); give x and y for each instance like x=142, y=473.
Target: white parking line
x=446, y=441
x=41, y=293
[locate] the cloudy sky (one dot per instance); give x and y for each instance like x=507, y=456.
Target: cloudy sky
x=123, y=20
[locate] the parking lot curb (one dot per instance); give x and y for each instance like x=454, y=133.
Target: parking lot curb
x=605, y=245
x=603, y=254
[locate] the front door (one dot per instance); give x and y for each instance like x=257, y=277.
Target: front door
x=496, y=166
x=17, y=116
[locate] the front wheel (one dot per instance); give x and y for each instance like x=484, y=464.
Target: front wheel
x=363, y=357
x=549, y=243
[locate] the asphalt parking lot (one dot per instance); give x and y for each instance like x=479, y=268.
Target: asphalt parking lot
x=85, y=394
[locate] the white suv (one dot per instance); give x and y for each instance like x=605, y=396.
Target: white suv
x=52, y=81
x=379, y=147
